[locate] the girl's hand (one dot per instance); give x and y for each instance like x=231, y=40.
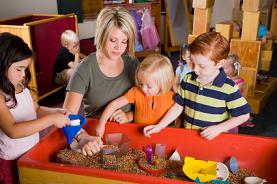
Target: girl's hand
x=90, y=144
x=100, y=129
x=63, y=111
x=60, y=120
x=211, y=132
x=148, y=130
x=119, y=116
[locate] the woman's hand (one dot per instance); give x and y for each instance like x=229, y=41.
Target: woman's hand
x=120, y=117
x=90, y=144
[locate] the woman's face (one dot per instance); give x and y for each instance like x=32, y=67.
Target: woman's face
x=116, y=43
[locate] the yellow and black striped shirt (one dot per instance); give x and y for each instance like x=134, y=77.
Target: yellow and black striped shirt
x=211, y=104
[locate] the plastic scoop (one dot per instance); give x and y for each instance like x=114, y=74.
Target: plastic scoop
x=202, y=170
x=71, y=130
x=160, y=151
x=232, y=164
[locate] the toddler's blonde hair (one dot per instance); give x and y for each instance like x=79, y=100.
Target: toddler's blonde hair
x=160, y=68
x=68, y=36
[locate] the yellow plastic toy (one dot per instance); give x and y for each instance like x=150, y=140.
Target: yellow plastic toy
x=203, y=170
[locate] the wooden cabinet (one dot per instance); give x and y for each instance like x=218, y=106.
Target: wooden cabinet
x=273, y=23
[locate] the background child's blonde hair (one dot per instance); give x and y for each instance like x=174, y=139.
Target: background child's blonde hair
x=68, y=36
x=160, y=68
x=234, y=61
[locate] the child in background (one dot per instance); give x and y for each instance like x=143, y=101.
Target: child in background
x=207, y=96
x=152, y=96
x=264, y=34
x=232, y=68
x=21, y=118
x=183, y=67
x=68, y=57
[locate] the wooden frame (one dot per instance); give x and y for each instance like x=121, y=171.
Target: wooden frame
x=23, y=26
x=170, y=36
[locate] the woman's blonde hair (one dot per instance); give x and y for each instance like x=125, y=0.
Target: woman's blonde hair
x=111, y=17
x=234, y=61
x=68, y=36
x=160, y=68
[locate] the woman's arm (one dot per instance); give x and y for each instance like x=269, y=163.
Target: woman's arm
x=72, y=102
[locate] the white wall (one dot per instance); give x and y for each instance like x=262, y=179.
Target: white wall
x=222, y=11
x=13, y=8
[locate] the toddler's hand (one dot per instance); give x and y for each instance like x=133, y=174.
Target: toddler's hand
x=119, y=116
x=211, y=132
x=100, y=129
x=148, y=130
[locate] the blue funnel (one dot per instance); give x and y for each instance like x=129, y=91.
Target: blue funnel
x=71, y=131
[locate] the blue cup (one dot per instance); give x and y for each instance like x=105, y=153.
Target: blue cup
x=71, y=131
x=232, y=164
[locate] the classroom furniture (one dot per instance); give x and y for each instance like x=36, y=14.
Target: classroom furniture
x=201, y=18
x=155, y=8
x=253, y=56
x=178, y=24
x=273, y=22
x=42, y=33
x=257, y=154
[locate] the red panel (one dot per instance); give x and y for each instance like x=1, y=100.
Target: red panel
x=254, y=153
x=46, y=42
x=23, y=20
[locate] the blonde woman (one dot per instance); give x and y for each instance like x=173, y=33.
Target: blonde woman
x=107, y=74
x=152, y=95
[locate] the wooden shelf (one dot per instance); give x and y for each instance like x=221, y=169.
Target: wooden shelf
x=147, y=52
x=262, y=93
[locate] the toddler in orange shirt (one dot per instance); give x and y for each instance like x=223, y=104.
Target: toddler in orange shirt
x=152, y=95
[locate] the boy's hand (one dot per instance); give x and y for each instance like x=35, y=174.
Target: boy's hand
x=148, y=130
x=211, y=132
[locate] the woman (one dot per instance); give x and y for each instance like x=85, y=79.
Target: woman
x=108, y=73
